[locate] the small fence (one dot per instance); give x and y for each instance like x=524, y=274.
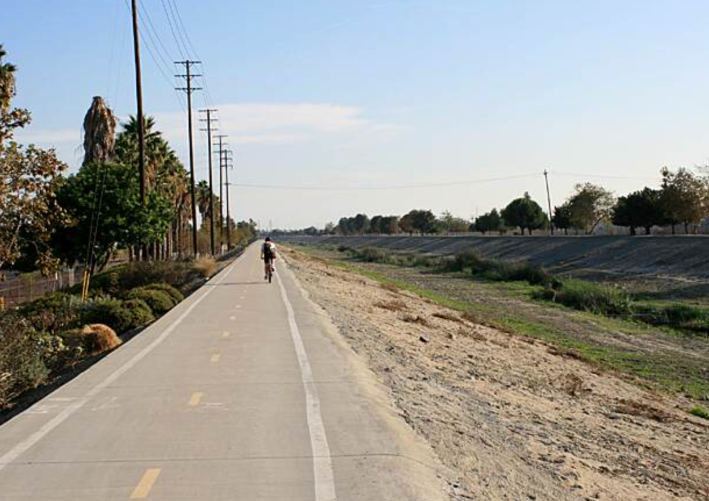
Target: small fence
x=22, y=288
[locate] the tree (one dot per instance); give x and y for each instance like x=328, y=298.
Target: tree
x=121, y=219
x=684, y=198
x=422, y=221
x=490, y=221
x=361, y=224
x=525, y=213
x=590, y=205
x=451, y=224
x=29, y=177
x=562, y=217
x=390, y=225
x=375, y=225
x=638, y=209
x=406, y=223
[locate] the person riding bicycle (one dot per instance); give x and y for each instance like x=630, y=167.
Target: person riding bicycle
x=268, y=254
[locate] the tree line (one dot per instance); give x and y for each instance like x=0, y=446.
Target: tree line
x=48, y=218
x=682, y=200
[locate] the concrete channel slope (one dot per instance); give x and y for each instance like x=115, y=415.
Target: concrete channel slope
x=678, y=256
x=243, y=392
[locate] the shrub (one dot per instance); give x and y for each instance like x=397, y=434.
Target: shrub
x=53, y=312
x=121, y=316
x=159, y=301
x=469, y=260
x=22, y=363
x=372, y=255
x=171, y=291
x=108, y=282
x=343, y=248
x=137, y=274
x=99, y=338
x=205, y=266
x=587, y=296
x=680, y=316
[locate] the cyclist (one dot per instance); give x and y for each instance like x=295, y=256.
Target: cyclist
x=268, y=254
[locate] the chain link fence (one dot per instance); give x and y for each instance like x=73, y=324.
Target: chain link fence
x=18, y=289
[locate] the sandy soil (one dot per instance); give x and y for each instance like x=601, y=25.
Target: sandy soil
x=512, y=417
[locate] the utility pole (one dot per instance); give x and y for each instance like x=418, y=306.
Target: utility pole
x=209, y=130
x=188, y=76
x=227, y=165
x=220, y=137
x=139, y=98
x=546, y=180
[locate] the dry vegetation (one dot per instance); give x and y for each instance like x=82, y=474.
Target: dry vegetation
x=514, y=418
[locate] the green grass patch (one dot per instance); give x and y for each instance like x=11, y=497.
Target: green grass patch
x=700, y=411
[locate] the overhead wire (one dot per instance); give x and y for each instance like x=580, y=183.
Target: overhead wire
x=390, y=187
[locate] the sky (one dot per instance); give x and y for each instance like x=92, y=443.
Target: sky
x=335, y=107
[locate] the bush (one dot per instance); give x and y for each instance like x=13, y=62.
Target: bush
x=587, y=296
x=158, y=301
x=171, y=291
x=372, y=255
x=22, y=357
x=205, y=266
x=121, y=316
x=498, y=270
x=53, y=312
x=178, y=274
x=679, y=316
x=98, y=338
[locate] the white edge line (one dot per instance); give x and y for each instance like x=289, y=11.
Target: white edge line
x=322, y=461
x=30, y=441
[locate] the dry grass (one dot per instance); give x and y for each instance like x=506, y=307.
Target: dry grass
x=388, y=286
x=391, y=305
x=633, y=408
x=206, y=266
x=446, y=315
x=416, y=319
x=573, y=385
x=99, y=338
x=471, y=333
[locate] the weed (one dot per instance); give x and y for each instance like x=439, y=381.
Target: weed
x=700, y=411
x=392, y=305
x=205, y=266
x=417, y=319
x=587, y=296
x=633, y=408
x=445, y=315
x=388, y=286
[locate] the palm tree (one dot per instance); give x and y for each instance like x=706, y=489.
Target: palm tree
x=7, y=81
x=203, y=198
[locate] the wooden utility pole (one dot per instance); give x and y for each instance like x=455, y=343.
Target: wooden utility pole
x=227, y=166
x=546, y=180
x=139, y=97
x=220, y=137
x=209, y=130
x=189, y=89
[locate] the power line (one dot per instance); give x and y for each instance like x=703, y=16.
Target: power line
x=600, y=176
x=172, y=29
x=377, y=188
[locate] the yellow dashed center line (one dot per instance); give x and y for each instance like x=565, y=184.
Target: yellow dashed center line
x=143, y=488
x=195, y=399
x=232, y=318
x=215, y=358
x=225, y=334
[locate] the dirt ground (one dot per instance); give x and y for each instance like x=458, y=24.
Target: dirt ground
x=512, y=417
